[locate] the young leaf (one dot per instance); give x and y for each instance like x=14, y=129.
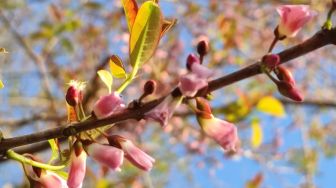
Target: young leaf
x=257, y=134
x=131, y=10
x=106, y=77
x=54, y=150
x=145, y=33
x=117, y=67
x=167, y=25
x=1, y=85
x=272, y=106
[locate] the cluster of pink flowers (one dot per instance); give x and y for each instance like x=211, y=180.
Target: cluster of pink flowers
x=112, y=155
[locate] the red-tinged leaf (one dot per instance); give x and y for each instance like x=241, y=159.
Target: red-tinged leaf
x=72, y=116
x=167, y=25
x=131, y=11
x=117, y=67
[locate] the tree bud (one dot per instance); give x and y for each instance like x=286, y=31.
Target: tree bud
x=72, y=96
x=149, y=87
x=271, y=61
x=203, y=47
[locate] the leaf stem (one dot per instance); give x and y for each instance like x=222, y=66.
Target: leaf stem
x=128, y=80
x=15, y=156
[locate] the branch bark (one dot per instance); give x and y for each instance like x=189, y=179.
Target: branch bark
x=320, y=39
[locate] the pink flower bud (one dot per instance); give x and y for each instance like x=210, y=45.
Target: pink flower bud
x=197, y=79
x=223, y=132
x=292, y=19
x=284, y=75
x=190, y=84
x=163, y=112
x=74, y=93
x=72, y=96
x=109, y=156
x=107, y=105
x=77, y=166
x=192, y=59
x=288, y=90
x=271, y=61
x=135, y=155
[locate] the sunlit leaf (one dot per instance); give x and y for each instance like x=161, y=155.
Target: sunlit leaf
x=131, y=10
x=272, y=106
x=106, y=77
x=145, y=33
x=257, y=134
x=1, y=85
x=167, y=25
x=117, y=67
x=3, y=50
x=71, y=112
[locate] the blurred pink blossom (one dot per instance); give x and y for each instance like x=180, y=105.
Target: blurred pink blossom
x=292, y=19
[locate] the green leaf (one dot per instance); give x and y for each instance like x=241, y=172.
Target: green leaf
x=106, y=77
x=54, y=150
x=131, y=11
x=272, y=106
x=145, y=33
x=117, y=67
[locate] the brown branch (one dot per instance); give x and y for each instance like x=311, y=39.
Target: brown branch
x=320, y=39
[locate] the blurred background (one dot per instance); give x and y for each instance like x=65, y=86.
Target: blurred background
x=51, y=42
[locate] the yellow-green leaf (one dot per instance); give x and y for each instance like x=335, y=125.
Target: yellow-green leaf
x=131, y=10
x=54, y=150
x=145, y=33
x=257, y=134
x=117, y=67
x=1, y=85
x=106, y=77
x=167, y=25
x=272, y=106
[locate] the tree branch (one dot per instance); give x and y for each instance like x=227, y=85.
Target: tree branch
x=320, y=39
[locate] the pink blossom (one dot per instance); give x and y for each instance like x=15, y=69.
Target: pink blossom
x=293, y=17
x=77, y=167
x=107, y=105
x=109, y=156
x=52, y=180
x=134, y=154
x=164, y=111
x=41, y=178
x=223, y=132
x=195, y=80
x=190, y=84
